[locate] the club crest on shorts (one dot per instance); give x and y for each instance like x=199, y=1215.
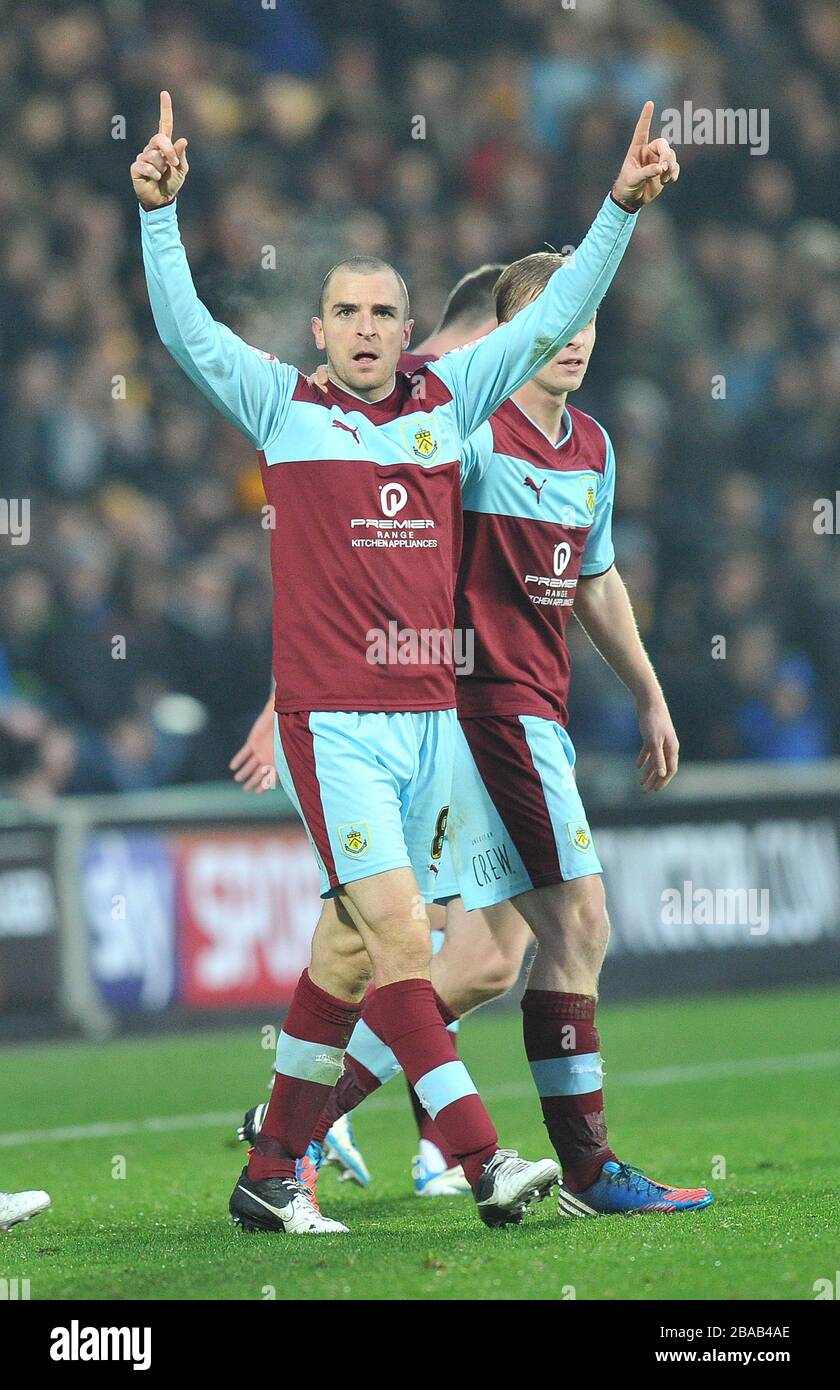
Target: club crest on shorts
x=579, y=834
x=355, y=838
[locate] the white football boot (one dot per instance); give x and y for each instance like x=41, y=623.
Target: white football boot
x=431, y=1176
x=16, y=1207
x=509, y=1185
x=341, y=1150
x=281, y=1205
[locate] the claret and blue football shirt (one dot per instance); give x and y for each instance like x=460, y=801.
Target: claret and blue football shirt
x=365, y=496
x=537, y=516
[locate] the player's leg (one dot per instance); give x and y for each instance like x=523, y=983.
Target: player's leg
x=543, y=850
x=471, y=966
x=355, y=969
x=569, y=920
x=392, y=920
x=424, y=827
x=342, y=764
x=320, y=762
x=434, y=1170
x=481, y=957
x=368, y=1064
x=275, y=1191
x=310, y=1047
x=561, y=1040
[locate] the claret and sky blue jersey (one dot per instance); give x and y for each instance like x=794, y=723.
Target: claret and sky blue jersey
x=366, y=498
x=537, y=516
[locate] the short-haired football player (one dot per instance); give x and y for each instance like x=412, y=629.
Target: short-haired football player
x=537, y=545
x=365, y=490
x=468, y=314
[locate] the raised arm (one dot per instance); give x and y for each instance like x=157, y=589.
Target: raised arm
x=250, y=388
x=482, y=376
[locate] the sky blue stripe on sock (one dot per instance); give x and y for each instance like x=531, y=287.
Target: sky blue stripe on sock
x=443, y=1085
x=367, y=1047
x=309, y=1061
x=568, y=1076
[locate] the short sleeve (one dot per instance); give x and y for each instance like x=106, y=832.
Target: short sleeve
x=599, y=553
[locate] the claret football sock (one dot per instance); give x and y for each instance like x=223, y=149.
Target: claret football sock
x=354, y=1086
x=430, y=1133
x=563, y=1049
x=368, y=1064
x=426, y=1126
x=407, y=1017
x=310, y=1054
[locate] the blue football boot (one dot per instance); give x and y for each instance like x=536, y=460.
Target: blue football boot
x=621, y=1190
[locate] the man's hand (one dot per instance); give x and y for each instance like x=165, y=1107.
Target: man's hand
x=159, y=171
x=253, y=765
x=648, y=165
x=660, y=755
x=320, y=377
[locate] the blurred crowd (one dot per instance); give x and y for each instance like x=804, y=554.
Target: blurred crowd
x=135, y=621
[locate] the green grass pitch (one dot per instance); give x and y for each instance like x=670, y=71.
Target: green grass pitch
x=745, y=1086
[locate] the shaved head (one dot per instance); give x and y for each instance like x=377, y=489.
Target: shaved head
x=363, y=325
x=363, y=265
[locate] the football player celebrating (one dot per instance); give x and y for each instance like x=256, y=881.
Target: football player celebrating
x=365, y=744
x=471, y=951
x=542, y=483
x=537, y=546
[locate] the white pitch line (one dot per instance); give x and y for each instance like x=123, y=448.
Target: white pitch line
x=107, y=1129
x=655, y=1076
x=721, y=1071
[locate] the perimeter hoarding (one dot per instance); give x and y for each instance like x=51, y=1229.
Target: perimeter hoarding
x=201, y=919
x=29, y=945
x=206, y=916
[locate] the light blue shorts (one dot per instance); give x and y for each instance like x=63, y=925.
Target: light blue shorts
x=372, y=790
x=516, y=819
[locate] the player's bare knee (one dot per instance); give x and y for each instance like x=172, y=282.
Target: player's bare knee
x=354, y=969
x=349, y=969
x=591, y=927
x=587, y=930
x=340, y=960
x=498, y=975
x=400, y=946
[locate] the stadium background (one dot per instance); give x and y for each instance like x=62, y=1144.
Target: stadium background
x=142, y=893
x=128, y=892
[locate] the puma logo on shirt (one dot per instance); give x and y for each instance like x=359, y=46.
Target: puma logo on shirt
x=351, y=429
x=529, y=482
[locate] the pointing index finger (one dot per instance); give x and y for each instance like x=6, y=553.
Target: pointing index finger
x=641, y=134
x=165, y=126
